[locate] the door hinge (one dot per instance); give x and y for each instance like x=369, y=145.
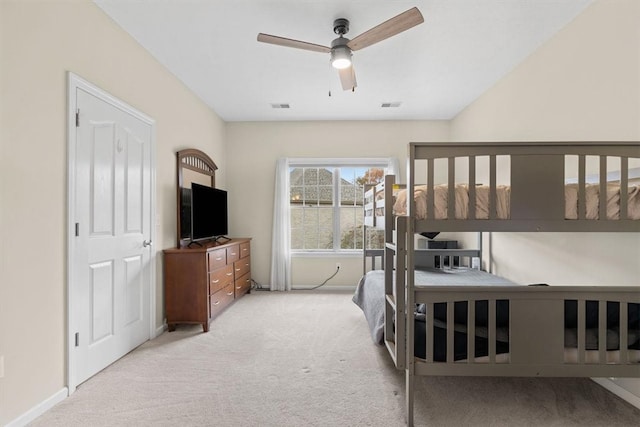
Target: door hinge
x=78, y=118
x=77, y=229
x=77, y=339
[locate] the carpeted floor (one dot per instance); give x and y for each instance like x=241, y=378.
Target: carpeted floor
x=305, y=358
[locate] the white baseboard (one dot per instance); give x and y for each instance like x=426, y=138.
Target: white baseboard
x=621, y=392
x=39, y=409
x=160, y=330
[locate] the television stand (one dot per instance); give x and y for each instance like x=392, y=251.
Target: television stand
x=200, y=282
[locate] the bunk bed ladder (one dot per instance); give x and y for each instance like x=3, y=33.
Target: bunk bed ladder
x=395, y=305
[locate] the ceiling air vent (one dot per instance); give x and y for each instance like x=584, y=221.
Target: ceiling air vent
x=390, y=104
x=280, y=106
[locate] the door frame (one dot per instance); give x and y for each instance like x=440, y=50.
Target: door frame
x=75, y=83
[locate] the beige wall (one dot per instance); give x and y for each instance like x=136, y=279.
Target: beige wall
x=41, y=41
x=584, y=84
x=253, y=149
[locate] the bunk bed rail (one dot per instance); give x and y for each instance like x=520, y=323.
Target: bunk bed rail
x=544, y=178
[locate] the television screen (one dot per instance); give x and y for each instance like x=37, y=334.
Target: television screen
x=208, y=212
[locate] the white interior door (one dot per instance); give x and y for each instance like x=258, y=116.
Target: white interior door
x=111, y=271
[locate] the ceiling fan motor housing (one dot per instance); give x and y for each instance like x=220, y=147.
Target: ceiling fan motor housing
x=341, y=26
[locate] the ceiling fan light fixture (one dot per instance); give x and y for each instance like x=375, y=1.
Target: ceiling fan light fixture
x=341, y=57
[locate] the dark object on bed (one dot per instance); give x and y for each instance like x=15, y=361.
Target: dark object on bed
x=430, y=234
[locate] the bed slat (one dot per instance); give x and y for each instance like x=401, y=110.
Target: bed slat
x=471, y=331
x=492, y=331
x=493, y=205
x=450, y=331
x=624, y=187
x=602, y=331
x=430, y=331
x=602, y=205
x=431, y=214
x=472, y=187
x=582, y=194
x=581, y=331
x=451, y=188
x=624, y=333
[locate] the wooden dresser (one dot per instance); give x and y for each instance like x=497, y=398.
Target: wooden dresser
x=200, y=282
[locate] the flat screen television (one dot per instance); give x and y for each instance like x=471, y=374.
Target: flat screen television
x=209, y=218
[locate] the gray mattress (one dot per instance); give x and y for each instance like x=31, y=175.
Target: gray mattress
x=369, y=294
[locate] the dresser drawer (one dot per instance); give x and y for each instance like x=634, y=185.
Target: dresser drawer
x=243, y=285
x=220, y=278
x=221, y=299
x=217, y=259
x=233, y=253
x=242, y=266
x=245, y=249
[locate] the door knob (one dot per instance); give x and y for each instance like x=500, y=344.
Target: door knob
x=147, y=243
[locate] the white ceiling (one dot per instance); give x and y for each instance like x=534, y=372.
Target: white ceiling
x=434, y=70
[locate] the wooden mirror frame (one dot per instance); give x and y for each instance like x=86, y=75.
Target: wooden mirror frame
x=198, y=162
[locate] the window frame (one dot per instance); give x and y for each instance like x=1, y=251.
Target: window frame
x=388, y=164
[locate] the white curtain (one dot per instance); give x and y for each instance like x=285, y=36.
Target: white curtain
x=393, y=168
x=281, y=234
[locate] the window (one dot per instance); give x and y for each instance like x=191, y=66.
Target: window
x=326, y=203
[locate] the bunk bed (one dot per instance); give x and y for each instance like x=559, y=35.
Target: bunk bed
x=430, y=328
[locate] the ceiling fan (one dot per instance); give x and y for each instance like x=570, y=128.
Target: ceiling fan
x=341, y=48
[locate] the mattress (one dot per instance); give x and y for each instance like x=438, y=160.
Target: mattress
x=503, y=198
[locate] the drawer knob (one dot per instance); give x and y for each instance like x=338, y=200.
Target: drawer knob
x=229, y=293
x=219, y=258
x=216, y=303
x=229, y=274
x=215, y=281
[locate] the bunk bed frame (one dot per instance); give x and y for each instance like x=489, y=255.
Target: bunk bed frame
x=536, y=324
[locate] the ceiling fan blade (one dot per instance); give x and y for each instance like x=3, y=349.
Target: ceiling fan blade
x=282, y=41
x=393, y=26
x=348, y=78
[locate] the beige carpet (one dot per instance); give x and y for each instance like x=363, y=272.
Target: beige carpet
x=305, y=358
